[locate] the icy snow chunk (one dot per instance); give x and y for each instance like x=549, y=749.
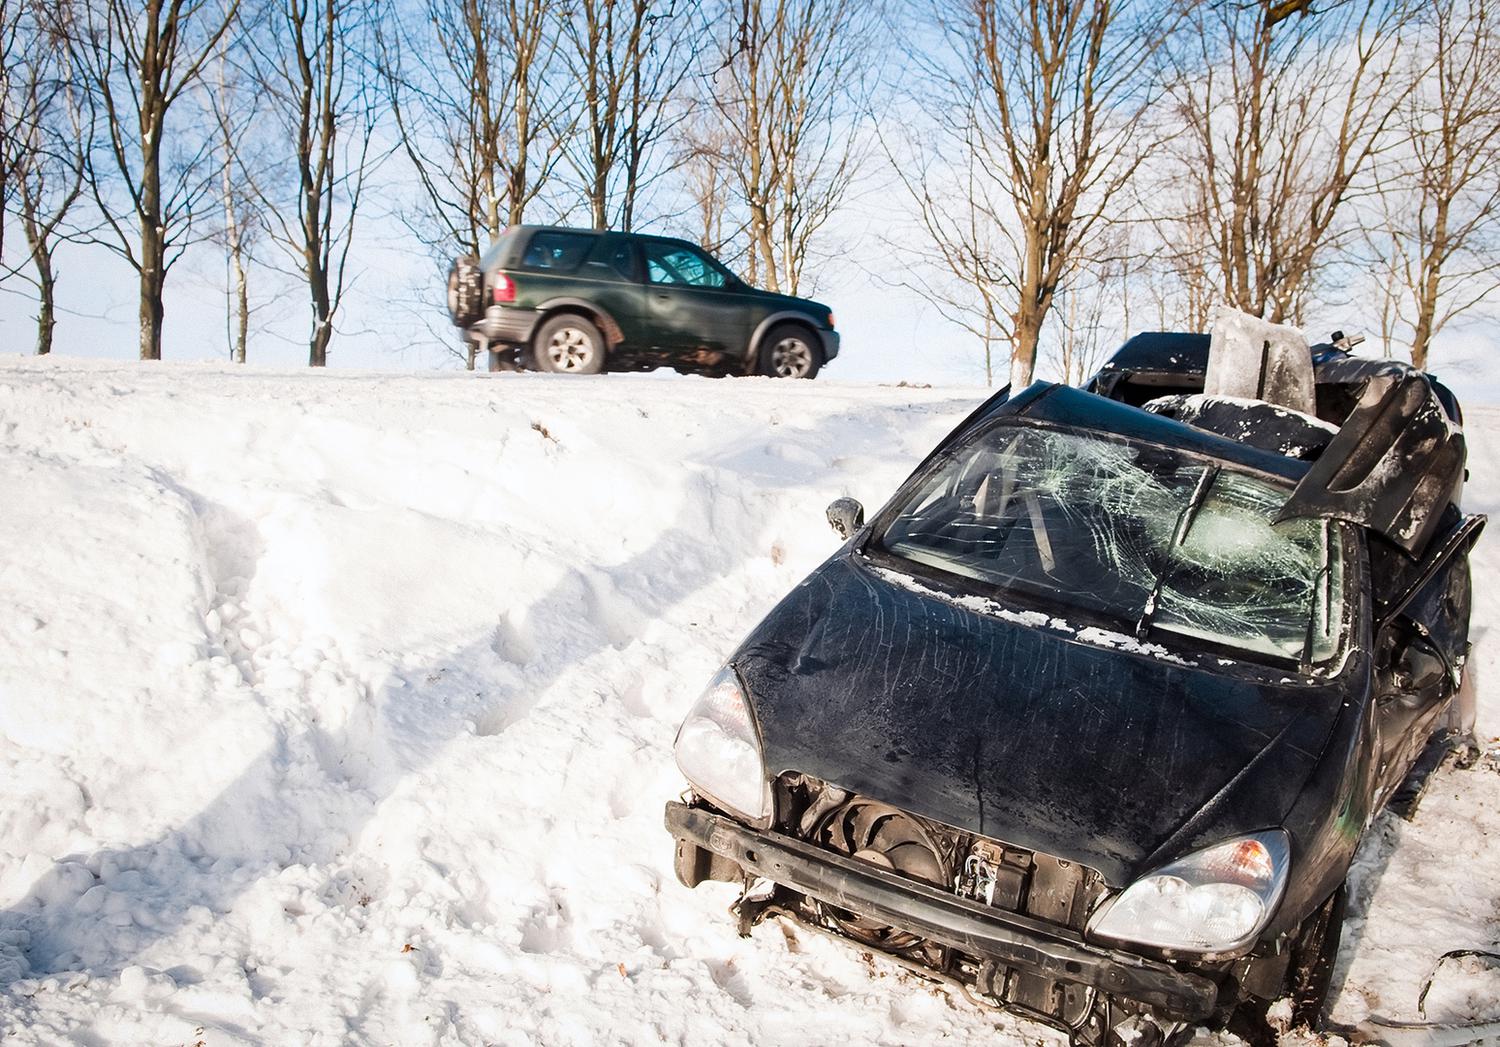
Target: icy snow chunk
x=138, y=984
x=1251, y=358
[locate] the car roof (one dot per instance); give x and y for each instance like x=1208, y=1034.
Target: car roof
x=1072, y=408
x=582, y=231
x=1178, y=360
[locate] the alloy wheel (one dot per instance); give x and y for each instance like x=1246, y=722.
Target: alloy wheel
x=791, y=358
x=570, y=349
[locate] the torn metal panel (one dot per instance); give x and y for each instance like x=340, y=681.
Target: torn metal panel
x=1280, y=430
x=1394, y=466
x=1252, y=359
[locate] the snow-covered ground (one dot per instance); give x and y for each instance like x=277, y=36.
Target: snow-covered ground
x=338, y=708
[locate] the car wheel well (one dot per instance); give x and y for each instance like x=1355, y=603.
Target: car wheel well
x=613, y=336
x=805, y=326
x=761, y=358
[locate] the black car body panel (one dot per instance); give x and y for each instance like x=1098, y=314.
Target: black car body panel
x=992, y=717
x=910, y=679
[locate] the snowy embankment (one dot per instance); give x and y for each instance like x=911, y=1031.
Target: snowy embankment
x=339, y=708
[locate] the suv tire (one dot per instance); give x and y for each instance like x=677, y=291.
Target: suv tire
x=568, y=344
x=790, y=351
x=465, y=291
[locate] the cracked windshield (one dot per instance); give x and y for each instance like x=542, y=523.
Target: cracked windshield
x=1149, y=538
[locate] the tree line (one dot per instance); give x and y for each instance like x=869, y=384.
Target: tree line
x=1052, y=172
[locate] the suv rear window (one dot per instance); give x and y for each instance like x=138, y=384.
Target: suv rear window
x=491, y=258
x=557, y=252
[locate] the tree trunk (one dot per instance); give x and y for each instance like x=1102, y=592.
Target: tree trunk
x=242, y=307
x=1427, y=292
x=151, y=312
x=317, y=354
x=152, y=265
x=46, y=282
x=1023, y=345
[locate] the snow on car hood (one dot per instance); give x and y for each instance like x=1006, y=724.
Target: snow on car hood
x=985, y=721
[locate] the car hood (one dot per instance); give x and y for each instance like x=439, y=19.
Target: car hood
x=1004, y=725
x=789, y=301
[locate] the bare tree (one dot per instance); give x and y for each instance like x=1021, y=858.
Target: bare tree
x=234, y=109
x=705, y=167
x=479, y=115
x=1045, y=102
x=322, y=103
x=45, y=137
x=469, y=89
x=12, y=113
x=631, y=58
x=961, y=258
x=790, y=93
x=140, y=59
x=1089, y=301
x=1440, y=240
x=1281, y=109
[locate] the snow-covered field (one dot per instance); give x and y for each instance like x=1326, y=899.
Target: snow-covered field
x=338, y=708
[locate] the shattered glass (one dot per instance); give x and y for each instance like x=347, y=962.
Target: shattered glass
x=1141, y=535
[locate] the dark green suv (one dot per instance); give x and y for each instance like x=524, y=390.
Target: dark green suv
x=580, y=301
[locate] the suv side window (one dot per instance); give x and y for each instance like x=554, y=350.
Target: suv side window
x=622, y=260
x=679, y=264
x=557, y=252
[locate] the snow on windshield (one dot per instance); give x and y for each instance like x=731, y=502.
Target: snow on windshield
x=1137, y=534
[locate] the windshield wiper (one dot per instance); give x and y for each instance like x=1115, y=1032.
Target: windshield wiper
x=1179, y=535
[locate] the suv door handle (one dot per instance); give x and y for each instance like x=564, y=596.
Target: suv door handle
x=663, y=296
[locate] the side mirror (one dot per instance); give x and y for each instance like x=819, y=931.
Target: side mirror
x=845, y=516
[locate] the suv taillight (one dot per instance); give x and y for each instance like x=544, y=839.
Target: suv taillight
x=504, y=289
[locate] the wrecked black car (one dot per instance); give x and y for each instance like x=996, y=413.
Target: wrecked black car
x=1089, y=719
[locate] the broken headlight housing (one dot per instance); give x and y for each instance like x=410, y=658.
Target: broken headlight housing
x=1210, y=903
x=718, y=751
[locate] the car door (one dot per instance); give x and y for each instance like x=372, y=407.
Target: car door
x=616, y=287
x=1421, y=640
x=692, y=302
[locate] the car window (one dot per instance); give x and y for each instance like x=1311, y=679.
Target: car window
x=562, y=252
x=622, y=260
x=492, y=254
x=677, y=264
x=1150, y=538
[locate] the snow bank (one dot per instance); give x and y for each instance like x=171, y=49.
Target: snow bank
x=339, y=708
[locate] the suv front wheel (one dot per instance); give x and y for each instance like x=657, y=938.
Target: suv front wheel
x=568, y=344
x=790, y=351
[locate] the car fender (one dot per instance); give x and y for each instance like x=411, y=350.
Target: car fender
x=607, y=324
x=784, y=316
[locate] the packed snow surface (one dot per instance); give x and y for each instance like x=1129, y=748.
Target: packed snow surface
x=339, y=708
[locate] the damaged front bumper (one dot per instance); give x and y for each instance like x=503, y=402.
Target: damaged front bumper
x=713, y=847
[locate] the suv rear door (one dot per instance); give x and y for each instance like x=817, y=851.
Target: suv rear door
x=692, y=302
x=599, y=269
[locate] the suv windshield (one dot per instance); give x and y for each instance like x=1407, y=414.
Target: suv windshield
x=1141, y=535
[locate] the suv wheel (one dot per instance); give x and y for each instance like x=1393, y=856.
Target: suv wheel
x=790, y=352
x=569, y=344
x=465, y=291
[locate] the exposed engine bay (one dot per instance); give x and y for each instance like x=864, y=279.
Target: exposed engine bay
x=1038, y=886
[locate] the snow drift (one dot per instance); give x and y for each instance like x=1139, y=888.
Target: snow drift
x=340, y=707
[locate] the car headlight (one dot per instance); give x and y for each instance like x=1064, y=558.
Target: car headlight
x=1213, y=901
x=718, y=751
